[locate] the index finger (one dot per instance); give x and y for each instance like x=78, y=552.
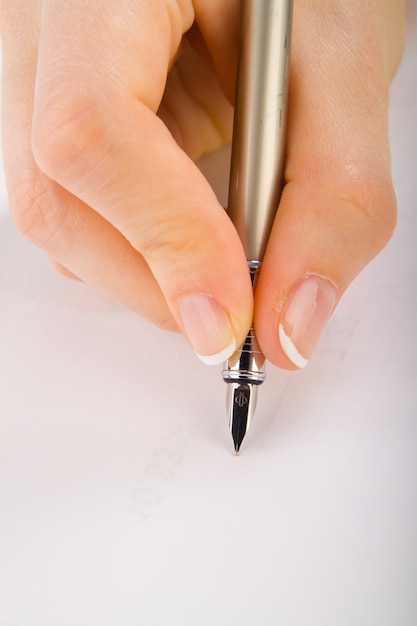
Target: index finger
x=95, y=137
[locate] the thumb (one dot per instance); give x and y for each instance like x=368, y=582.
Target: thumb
x=338, y=208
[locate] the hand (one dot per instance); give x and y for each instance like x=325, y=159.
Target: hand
x=106, y=104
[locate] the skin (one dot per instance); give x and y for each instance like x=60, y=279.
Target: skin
x=106, y=105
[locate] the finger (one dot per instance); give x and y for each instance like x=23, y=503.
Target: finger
x=338, y=208
x=194, y=107
x=64, y=271
x=219, y=24
x=74, y=235
x=96, y=139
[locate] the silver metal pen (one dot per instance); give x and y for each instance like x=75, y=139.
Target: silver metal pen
x=257, y=170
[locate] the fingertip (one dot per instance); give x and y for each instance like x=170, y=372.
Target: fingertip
x=328, y=228
x=290, y=349
x=303, y=317
x=210, y=328
x=299, y=320
x=207, y=327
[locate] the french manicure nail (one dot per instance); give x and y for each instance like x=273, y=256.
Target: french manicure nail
x=305, y=314
x=208, y=328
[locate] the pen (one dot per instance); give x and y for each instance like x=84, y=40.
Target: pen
x=256, y=176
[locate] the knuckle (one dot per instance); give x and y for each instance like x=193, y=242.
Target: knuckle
x=66, y=130
x=169, y=244
x=370, y=194
x=32, y=206
x=27, y=200
x=359, y=198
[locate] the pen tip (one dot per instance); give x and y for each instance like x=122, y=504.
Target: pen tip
x=241, y=405
x=238, y=428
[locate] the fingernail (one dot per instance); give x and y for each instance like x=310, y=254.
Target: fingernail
x=305, y=314
x=208, y=328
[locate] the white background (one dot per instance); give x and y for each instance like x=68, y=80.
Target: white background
x=121, y=501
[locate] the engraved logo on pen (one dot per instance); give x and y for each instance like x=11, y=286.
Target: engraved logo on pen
x=241, y=399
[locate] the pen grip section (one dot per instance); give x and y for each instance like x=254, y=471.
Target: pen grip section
x=247, y=365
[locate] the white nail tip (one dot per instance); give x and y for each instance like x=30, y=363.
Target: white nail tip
x=290, y=349
x=219, y=357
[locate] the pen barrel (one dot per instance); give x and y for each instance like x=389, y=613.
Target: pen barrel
x=258, y=148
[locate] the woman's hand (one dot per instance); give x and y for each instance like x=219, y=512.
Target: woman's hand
x=105, y=106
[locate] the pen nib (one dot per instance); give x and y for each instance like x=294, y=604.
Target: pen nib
x=241, y=401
